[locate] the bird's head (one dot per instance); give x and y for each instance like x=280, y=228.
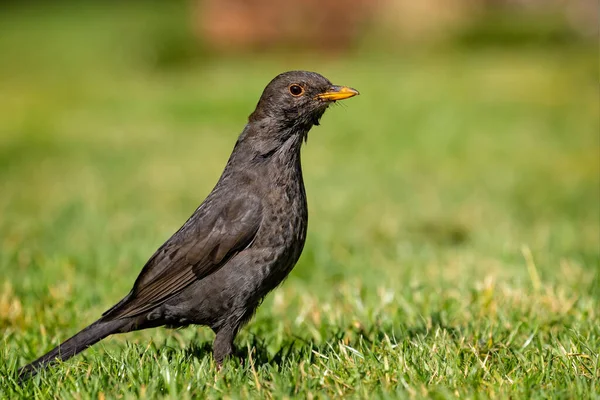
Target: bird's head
x=298, y=99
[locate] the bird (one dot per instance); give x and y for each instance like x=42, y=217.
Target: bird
x=240, y=243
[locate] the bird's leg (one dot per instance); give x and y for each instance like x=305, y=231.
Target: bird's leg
x=223, y=345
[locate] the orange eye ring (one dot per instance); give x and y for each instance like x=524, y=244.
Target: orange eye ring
x=296, y=90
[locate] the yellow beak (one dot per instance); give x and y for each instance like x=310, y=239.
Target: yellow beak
x=338, y=93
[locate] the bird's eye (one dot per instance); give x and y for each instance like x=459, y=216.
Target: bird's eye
x=296, y=90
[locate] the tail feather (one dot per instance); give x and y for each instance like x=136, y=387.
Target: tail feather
x=73, y=346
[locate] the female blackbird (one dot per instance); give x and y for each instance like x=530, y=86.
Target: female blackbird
x=241, y=242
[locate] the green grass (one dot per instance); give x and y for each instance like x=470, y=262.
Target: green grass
x=453, y=246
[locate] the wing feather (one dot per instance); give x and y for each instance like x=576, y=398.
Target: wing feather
x=204, y=244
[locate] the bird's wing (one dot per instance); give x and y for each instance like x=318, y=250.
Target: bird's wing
x=205, y=243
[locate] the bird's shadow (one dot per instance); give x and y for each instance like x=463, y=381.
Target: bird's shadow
x=256, y=349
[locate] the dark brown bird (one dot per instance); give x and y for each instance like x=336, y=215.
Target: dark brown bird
x=241, y=242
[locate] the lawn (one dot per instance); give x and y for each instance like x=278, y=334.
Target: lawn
x=453, y=244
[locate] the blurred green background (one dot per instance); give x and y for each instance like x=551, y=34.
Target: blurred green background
x=461, y=189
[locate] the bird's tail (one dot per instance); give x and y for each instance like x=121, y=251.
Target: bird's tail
x=75, y=345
